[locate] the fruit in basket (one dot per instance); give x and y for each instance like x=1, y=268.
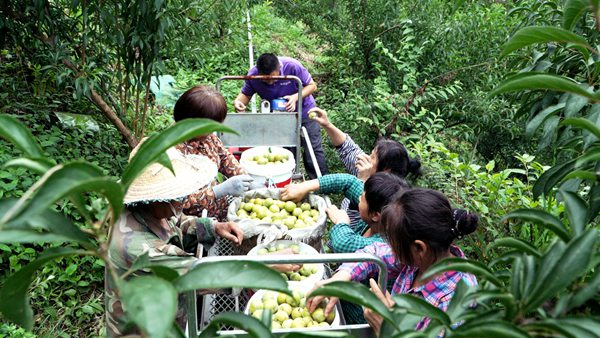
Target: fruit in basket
x=269, y=158
x=298, y=323
x=305, y=271
x=282, y=316
x=257, y=314
x=318, y=315
x=285, y=307
x=292, y=313
x=274, y=211
x=255, y=305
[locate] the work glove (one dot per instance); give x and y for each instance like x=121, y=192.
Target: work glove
x=234, y=186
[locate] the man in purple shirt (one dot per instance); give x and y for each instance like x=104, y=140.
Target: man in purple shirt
x=269, y=64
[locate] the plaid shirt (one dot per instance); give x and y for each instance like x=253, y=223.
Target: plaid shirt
x=438, y=292
x=349, y=152
x=342, y=237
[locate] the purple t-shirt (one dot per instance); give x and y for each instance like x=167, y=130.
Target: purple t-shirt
x=282, y=88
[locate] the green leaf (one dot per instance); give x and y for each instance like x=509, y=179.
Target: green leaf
x=533, y=81
x=325, y=334
x=14, y=300
x=572, y=12
x=542, y=218
x=576, y=209
x=582, y=123
x=489, y=330
x=355, y=293
x=586, y=292
x=591, y=155
x=538, y=119
x=36, y=165
x=253, y=326
x=543, y=34
x=594, y=201
x=421, y=307
x=550, y=178
x=140, y=262
x=150, y=151
x=457, y=305
x=46, y=226
x=16, y=133
x=548, y=136
x=151, y=303
x=572, y=264
x=164, y=272
x=230, y=274
x=507, y=299
x=62, y=181
x=463, y=265
x=514, y=243
x=580, y=174
x=576, y=327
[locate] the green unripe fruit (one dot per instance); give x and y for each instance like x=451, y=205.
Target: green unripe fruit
x=290, y=206
x=287, y=308
x=297, y=313
x=298, y=323
x=281, y=316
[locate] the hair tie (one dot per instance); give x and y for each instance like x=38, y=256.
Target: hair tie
x=455, y=230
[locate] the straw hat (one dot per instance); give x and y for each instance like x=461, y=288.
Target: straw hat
x=158, y=184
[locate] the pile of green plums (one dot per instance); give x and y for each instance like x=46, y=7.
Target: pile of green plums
x=269, y=210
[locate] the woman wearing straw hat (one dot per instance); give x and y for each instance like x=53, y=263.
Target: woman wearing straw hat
x=153, y=223
x=207, y=102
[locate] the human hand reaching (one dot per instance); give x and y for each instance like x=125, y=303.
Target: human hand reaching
x=230, y=231
x=234, y=186
x=337, y=216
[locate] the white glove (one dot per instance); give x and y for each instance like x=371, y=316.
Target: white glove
x=234, y=186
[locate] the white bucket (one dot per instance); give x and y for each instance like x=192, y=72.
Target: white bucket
x=277, y=174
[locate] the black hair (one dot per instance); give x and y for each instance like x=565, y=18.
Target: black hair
x=426, y=215
x=200, y=102
x=393, y=157
x=267, y=63
x=380, y=188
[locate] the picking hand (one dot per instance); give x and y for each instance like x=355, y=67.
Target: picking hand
x=293, y=192
x=375, y=320
x=319, y=115
x=239, y=106
x=337, y=216
x=313, y=302
x=230, y=231
x=364, y=167
x=285, y=267
x=290, y=105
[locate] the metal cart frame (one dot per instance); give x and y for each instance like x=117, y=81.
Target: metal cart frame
x=280, y=129
x=360, y=330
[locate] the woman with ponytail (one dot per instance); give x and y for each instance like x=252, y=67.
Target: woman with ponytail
x=387, y=156
x=420, y=227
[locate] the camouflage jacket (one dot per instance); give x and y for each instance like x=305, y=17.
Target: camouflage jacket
x=170, y=244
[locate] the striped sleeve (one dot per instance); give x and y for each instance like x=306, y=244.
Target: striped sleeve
x=348, y=152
